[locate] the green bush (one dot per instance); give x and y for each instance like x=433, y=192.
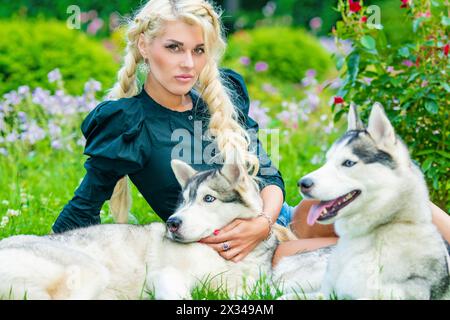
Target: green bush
x=30, y=49
x=288, y=52
x=412, y=82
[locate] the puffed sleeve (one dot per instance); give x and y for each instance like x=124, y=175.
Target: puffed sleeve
x=118, y=144
x=268, y=173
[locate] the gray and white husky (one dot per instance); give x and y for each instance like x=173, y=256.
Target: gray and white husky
x=121, y=261
x=388, y=247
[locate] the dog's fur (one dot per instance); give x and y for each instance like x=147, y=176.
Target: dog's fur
x=388, y=247
x=124, y=261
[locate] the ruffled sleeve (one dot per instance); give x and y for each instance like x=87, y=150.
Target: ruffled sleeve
x=118, y=144
x=268, y=173
x=116, y=136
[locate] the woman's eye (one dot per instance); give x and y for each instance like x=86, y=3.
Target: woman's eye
x=209, y=198
x=200, y=50
x=173, y=47
x=348, y=163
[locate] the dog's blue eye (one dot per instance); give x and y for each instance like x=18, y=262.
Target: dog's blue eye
x=348, y=163
x=209, y=198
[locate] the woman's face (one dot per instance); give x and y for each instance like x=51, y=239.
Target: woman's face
x=176, y=57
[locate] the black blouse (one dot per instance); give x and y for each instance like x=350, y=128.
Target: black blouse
x=135, y=137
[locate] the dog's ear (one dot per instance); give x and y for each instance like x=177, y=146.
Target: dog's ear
x=231, y=171
x=183, y=172
x=354, y=122
x=380, y=128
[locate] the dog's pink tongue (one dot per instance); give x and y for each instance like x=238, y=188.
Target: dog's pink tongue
x=315, y=210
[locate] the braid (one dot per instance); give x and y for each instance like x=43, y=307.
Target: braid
x=120, y=202
x=231, y=137
x=126, y=85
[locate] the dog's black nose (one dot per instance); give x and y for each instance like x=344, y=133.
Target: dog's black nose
x=305, y=184
x=173, y=223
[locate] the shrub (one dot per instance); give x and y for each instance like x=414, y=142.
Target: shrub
x=30, y=49
x=412, y=82
x=288, y=52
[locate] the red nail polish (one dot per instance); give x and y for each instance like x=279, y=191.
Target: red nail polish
x=216, y=232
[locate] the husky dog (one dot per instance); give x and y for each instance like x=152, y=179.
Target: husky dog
x=123, y=261
x=388, y=247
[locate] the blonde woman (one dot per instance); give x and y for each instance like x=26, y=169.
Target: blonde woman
x=180, y=44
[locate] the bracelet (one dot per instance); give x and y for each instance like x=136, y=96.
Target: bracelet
x=269, y=219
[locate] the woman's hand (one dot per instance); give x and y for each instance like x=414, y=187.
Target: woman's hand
x=236, y=240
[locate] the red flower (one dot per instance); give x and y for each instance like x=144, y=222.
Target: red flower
x=338, y=100
x=417, y=61
x=354, y=6
x=405, y=3
x=446, y=47
x=363, y=19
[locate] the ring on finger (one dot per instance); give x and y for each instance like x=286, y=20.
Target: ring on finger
x=226, y=246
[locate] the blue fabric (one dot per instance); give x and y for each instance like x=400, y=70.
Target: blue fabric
x=286, y=214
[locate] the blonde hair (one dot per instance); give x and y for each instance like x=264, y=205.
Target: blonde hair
x=230, y=136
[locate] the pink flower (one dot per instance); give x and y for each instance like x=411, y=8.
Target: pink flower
x=354, y=6
x=94, y=26
x=405, y=3
x=261, y=66
x=315, y=23
x=244, y=60
x=408, y=63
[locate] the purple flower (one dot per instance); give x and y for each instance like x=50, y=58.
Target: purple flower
x=24, y=90
x=12, y=98
x=22, y=116
x=390, y=69
x=311, y=73
x=313, y=100
x=367, y=80
x=54, y=130
x=81, y=141
x=342, y=47
x=2, y=124
x=289, y=118
x=310, y=78
x=56, y=144
x=94, y=26
x=3, y=151
x=33, y=134
x=261, y=66
x=267, y=87
x=245, y=61
x=408, y=63
x=259, y=114
x=54, y=76
x=12, y=137
x=92, y=86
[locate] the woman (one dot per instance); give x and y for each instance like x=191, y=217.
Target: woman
x=181, y=43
